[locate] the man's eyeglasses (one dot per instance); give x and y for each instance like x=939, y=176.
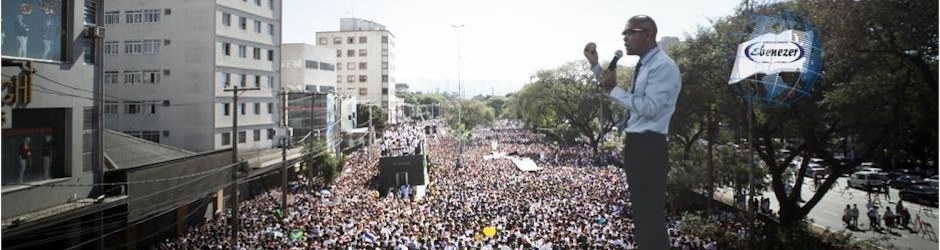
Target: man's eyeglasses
x=628, y=32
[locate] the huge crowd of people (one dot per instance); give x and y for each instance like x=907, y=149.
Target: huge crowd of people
x=485, y=204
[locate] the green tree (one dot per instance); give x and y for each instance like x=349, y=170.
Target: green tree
x=378, y=116
x=320, y=161
x=473, y=113
x=877, y=94
x=560, y=101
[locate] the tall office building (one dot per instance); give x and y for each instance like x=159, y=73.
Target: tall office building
x=168, y=64
x=365, y=63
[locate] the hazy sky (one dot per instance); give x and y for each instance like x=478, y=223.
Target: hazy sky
x=503, y=42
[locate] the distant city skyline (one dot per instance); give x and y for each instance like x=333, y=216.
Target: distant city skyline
x=502, y=42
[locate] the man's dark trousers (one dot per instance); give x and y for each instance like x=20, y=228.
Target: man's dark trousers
x=646, y=159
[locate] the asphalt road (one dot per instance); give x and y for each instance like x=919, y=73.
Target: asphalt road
x=828, y=214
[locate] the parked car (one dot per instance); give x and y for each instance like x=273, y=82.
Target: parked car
x=903, y=181
x=865, y=180
x=922, y=194
x=932, y=181
x=901, y=172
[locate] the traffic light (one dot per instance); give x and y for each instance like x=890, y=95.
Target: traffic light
x=17, y=90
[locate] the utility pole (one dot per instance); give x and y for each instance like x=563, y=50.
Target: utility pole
x=710, y=130
x=235, y=93
x=459, y=97
x=284, y=140
x=310, y=137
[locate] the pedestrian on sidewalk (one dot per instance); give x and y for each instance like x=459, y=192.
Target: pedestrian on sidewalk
x=847, y=216
x=855, y=215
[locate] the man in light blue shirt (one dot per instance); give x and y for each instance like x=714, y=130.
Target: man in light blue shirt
x=650, y=103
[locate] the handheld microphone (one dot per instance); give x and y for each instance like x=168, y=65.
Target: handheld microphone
x=613, y=62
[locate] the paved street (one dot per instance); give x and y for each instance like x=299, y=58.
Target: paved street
x=828, y=214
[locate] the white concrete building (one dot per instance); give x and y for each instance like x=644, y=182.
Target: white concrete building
x=365, y=62
x=169, y=62
x=308, y=67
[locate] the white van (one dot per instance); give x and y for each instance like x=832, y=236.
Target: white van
x=865, y=179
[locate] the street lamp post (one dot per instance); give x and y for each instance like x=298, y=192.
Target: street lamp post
x=459, y=96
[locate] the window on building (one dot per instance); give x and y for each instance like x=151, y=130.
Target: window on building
x=257, y=53
x=242, y=108
x=258, y=2
x=339, y=66
x=152, y=76
x=385, y=91
x=271, y=134
x=226, y=138
x=321, y=41
x=271, y=4
x=271, y=82
x=351, y=40
x=339, y=53
x=132, y=77
x=327, y=66
x=362, y=39
x=112, y=47
x=133, y=16
x=152, y=16
x=339, y=79
x=111, y=77
x=243, y=80
x=270, y=108
x=350, y=78
x=257, y=108
x=384, y=78
x=351, y=66
x=112, y=17
x=225, y=109
x=132, y=107
x=243, y=23
x=363, y=65
x=363, y=78
x=150, y=107
x=384, y=39
x=271, y=29
x=258, y=81
x=242, y=51
x=337, y=40
x=310, y=64
x=151, y=46
x=350, y=53
x=270, y=55
x=257, y=26
x=363, y=91
x=227, y=19
x=242, y=136
x=133, y=47
x=257, y=133
x=227, y=49
x=153, y=136
x=384, y=65
x=226, y=79
x=362, y=52
x=110, y=107
x=384, y=52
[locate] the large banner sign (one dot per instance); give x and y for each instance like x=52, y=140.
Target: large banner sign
x=771, y=54
x=778, y=61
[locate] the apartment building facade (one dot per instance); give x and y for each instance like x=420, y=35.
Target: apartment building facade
x=365, y=63
x=170, y=66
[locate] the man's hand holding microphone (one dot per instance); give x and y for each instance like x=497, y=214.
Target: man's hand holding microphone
x=607, y=77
